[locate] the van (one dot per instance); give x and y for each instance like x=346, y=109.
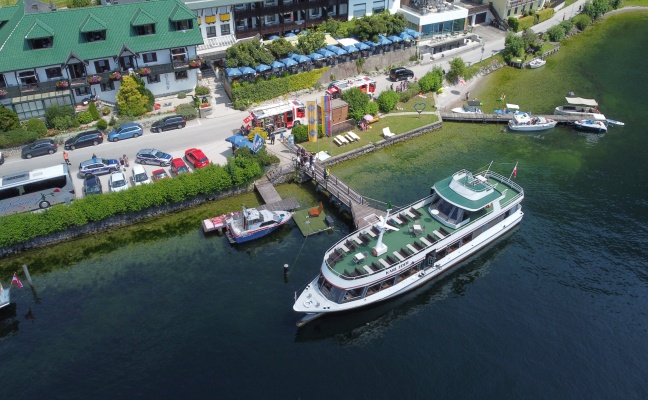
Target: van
x=400, y=74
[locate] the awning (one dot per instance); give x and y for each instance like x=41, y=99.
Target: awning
x=351, y=49
x=238, y=140
x=315, y=56
x=412, y=33
x=580, y=101
x=326, y=53
x=405, y=36
x=394, y=39
x=361, y=46
x=300, y=58
x=337, y=50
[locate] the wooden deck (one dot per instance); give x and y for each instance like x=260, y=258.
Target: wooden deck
x=289, y=204
x=267, y=191
x=497, y=118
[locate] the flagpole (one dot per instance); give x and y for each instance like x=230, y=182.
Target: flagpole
x=514, y=171
x=489, y=166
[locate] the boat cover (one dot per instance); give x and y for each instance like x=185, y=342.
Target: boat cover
x=580, y=101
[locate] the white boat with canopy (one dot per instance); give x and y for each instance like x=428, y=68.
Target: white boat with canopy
x=580, y=107
x=525, y=122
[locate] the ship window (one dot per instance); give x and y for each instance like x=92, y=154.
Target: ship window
x=325, y=288
x=336, y=295
x=353, y=294
x=373, y=289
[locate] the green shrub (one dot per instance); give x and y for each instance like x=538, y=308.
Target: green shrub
x=102, y=124
x=430, y=82
x=371, y=108
x=357, y=103
x=513, y=23
x=187, y=110
x=112, y=121
x=202, y=90
x=54, y=111
x=85, y=117
x=64, y=122
x=387, y=100
x=525, y=23
x=182, y=95
x=582, y=21
x=17, y=137
x=556, y=33
x=567, y=26
x=301, y=133
x=8, y=119
x=92, y=109
x=545, y=14
x=105, y=111
x=77, y=3
x=35, y=125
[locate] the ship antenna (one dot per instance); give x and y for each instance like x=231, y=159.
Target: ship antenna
x=380, y=248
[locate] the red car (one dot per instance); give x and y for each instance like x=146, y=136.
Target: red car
x=178, y=167
x=159, y=174
x=196, y=158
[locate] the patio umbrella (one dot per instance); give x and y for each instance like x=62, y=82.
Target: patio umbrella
x=362, y=46
x=337, y=50
x=273, y=37
x=289, y=35
x=233, y=72
x=276, y=65
x=238, y=140
x=412, y=33
x=371, y=44
x=288, y=62
x=326, y=53
x=262, y=68
x=368, y=117
x=351, y=49
x=247, y=71
x=383, y=41
x=394, y=39
x=405, y=36
x=315, y=56
x=300, y=58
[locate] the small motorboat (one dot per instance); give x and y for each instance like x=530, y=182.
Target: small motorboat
x=590, y=125
x=536, y=63
x=615, y=122
x=253, y=223
x=580, y=107
x=471, y=107
x=524, y=122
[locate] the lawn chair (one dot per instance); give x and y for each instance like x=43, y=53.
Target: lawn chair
x=387, y=133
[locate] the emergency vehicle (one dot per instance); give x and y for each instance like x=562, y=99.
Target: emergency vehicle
x=364, y=83
x=277, y=116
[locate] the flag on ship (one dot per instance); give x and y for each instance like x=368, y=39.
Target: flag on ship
x=515, y=170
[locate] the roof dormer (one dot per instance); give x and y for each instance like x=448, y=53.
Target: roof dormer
x=143, y=23
x=93, y=29
x=40, y=36
x=182, y=19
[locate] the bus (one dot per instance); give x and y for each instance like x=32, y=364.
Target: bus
x=34, y=190
x=277, y=116
x=364, y=83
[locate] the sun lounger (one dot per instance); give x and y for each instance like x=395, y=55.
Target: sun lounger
x=342, y=139
x=349, y=138
x=397, y=254
x=353, y=135
x=338, y=142
x=439, y=234
x=366, y=268
x=387, y=133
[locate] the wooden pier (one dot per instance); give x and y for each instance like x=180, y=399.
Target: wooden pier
x=267, y=190
x=500, y=118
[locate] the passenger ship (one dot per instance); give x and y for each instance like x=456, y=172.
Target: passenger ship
x=463, y=214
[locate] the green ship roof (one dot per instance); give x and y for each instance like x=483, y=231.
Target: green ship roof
x=473, y=186
x=65, y=25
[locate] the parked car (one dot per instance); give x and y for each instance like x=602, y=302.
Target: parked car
x=139, y=176
x=153, y=156
x=196, y=158
x=117, y=182
x=1, y=158
x=400, y=74
x=168, y=123
x=98, y=166
x=39, y=148
x=159, y=174
x=178, y=167
x=83, y=139
x=126, y=131
x=91, y=185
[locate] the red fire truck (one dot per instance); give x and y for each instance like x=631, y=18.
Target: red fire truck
x=364, y=83
x=277, y=116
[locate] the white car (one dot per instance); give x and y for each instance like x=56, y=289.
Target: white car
x=117, y=182
x=139, y=176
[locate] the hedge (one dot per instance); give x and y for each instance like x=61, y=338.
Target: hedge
x=545, y=14
x=525, y=23
x=240, y=171
x=246, y=93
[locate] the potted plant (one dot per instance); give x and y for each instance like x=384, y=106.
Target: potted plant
x=94, y=79
x=144, y=71
x=195, y=63
x=3, y=92
x=62, y=84
x=115, y=76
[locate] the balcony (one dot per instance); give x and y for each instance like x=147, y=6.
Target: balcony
x=78, y=82
x=513, y=4
x=286, y=8
x=163, y=68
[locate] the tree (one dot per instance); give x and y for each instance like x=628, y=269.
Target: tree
x=616, y=4
x=357, y=102
x=247, y=54
x=77, y=3
x=457, y=69
x=8, y=120
x=387, y=100
x=513, y=23
x=130, y=100
x=430, y=82
x=335, y=28
x=92, y=109
x=280, y=48
x=582, y=21
x=596, y=8
x=529, y=37
x=513, y=46
x=311, y=42
x=394, y=23
x=556, y=33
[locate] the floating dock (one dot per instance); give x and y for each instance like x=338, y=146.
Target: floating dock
x=311, y=225
x=500, y=118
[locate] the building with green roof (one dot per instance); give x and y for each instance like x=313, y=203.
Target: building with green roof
x=61, y=57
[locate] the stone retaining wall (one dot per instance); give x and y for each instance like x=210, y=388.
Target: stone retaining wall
x=373, y=63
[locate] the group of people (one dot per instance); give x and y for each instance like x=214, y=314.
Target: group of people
x=404, y=85
x=308, y=160
x=363, y=125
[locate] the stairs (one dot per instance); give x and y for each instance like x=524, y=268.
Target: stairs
x=209, y=77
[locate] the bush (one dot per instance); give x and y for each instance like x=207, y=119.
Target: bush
x=387, y=100
x=257, y=131
x=8, y=119
x=64, y=122
x=371, y=108
x=525, y=23
x=182, y=95
x=545, y=14
x=35, y=125
x=556, y=33
x=85, y=117
x=54, y=111
x=202, y=90
x=17, y=137
x=513, y=23
x=92, y=109
x=582, y=21
x=77, y=3
x=457, y=70
x=105, y=111
x=357, y=102
x=102, y=124
x=187, y=110
x=301, y=133
x=112, y=121
x=567, y=26
x=430, y=82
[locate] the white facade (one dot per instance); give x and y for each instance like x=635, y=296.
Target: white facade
x=359, y=8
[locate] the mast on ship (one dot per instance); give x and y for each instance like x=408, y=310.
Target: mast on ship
x=380, y=248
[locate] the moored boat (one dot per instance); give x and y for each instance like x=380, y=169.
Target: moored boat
x=524, y=122
x=5, y=297
x=253, y=223
x=579, y=107
x=536, y=63
x=471, y=107
x=589, y=125
x=463, y=214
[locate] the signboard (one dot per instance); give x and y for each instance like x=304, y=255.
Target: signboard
x=311, y=117
x=257, y=143
x=326, y=115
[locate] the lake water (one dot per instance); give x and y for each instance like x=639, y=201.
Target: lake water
x=556, y=309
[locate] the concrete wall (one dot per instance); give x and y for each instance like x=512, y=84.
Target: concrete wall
x=371, y=64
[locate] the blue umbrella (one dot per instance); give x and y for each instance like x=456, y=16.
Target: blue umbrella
x=371, y=44
x=326, y=52
x=412, y=33
x=273, y=37
x=276, y=65
x=351, y=49
x=288, y=62
x=337, y=50
x=315, y=56
x=238, y=140
x=262, y=67
x=361, y=46
x=299, y=58
x=233, y=72
x=246, y=70
x=289, y=35
x=394, y=39
x=405, y=36
x=383, y=41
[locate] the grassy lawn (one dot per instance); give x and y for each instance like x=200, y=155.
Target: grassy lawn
x=397, y=124
x=57, y=3
x=474, y=68
x=546, y=47
x=641, y=3
x=569, y=2
x=409, y=106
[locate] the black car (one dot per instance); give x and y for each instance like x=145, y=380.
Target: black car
x=168, y=123
x=83, y=139
x=39, y=148
x=400, y=74
x=91, y=185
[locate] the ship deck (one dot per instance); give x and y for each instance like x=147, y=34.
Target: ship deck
x=352, y=257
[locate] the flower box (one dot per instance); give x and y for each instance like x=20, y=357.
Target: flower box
x=62, y=84
x=205, y=105
x=115, y=76
x=94, y=79
x=144, y=71
x=3, y=92
x=195, y=63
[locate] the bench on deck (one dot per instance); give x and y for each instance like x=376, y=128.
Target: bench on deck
x=343, y=248
x=425, y=242
x=412, y=248
x=418, y=246
x=416, y=213
x=398, y=255
x=365, y=238
x=384, y=263
x=410, y=215
x=349, y=245
x=338, y=141
x=390, y=260
x=375, y=267
x=396, y=220
x=439, y=234
x=357, y=240
x=342, y=139
x=443, y=231
x=316, y=211
x=369, y=270
x=353, y=135
x=374, y=230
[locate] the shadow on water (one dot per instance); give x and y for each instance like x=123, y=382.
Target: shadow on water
x=362, y=326
x=8, y=322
